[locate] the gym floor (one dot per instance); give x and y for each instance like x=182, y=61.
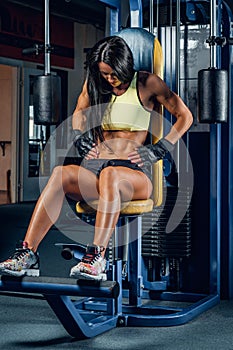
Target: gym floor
x=29, y=323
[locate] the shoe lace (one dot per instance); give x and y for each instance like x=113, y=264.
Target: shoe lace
x=90, y=258
x=18, y=254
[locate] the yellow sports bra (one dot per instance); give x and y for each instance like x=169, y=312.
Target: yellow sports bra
x=126, y=112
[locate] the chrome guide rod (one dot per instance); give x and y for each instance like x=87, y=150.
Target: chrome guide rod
x=151, y=26
x=47, y=39
x=178, y=46
x=213, y=33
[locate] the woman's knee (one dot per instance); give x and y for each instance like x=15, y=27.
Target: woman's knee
x=62, y=175
x=113, y=178
x=109, y=175
x=56, y=173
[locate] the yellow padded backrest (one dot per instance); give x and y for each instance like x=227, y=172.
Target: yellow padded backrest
x=157, y=129
x=148, y=56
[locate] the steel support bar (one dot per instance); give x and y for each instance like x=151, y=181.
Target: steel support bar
x=136, y=19
x=164, y=316
x=215, y=207
x=112, y=3
x=78, y=325
x=230, y=179
x=113, y=16
x=135, y=268
x=215, y=169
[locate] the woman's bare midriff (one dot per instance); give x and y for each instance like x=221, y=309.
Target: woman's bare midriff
x=118, y=144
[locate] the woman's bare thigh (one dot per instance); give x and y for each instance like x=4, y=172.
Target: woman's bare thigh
x=131, y=184
x=81, y=183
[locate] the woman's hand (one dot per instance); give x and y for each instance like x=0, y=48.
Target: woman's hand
x=149, y=154
x=93, y=153
x=135, y=157
x=85, y=146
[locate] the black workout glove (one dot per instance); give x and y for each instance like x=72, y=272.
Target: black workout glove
x=82, y=142
x=150, y=154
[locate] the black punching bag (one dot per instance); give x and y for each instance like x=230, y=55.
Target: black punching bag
x=47, y=99
x=212, y=95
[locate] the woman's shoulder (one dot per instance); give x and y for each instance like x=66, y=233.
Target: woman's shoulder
x=146, y=79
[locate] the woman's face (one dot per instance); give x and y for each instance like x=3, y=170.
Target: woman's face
x=108, y=74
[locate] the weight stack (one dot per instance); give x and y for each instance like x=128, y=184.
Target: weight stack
x=212, y=95
x=47, y=99
x=156, y=242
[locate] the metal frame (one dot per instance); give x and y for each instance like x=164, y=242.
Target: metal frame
x=114, y=15
x=136, y=13
x=227, y=147
x=215, y=171
x=179, y=308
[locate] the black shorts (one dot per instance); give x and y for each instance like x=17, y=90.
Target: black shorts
x=97, y=165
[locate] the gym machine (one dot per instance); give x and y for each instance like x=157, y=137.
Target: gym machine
x=149, y=291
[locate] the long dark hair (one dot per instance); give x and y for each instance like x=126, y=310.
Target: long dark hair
x=113, y=51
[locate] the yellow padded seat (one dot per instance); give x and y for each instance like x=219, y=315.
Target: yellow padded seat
x=136, y=207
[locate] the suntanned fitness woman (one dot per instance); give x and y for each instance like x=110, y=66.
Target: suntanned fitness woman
x=115, y=164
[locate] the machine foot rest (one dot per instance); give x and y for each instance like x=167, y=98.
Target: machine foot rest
x=78, y=322
x=60, y=286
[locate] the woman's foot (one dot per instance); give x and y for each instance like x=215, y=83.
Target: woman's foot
x=23, y=262
x=92, y=266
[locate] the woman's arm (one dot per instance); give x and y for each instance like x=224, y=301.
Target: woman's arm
x=79, y=117
x=155, y=90
x=174, y=104
x=84, y=144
